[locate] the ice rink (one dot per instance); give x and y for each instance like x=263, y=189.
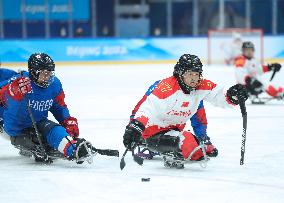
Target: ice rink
x=102, y=97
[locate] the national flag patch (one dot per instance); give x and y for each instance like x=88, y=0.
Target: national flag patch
x=239, y=62
x=185, y=104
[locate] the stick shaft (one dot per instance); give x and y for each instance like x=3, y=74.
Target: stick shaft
x=244, y=115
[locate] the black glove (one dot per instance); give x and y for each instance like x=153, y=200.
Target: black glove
x=248, y=81
x=132, y=134
x=274, y=67
x=236, y=93
x=254, y=86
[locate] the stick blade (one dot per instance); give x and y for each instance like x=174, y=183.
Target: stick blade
x=138, y=160
x=122, y=164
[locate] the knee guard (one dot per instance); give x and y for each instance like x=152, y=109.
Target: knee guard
x=28, y=138
x=254, y=86
x=45, y=126
x=25, y=140
x=189, y=143
x=164, y=142
x=272, y=91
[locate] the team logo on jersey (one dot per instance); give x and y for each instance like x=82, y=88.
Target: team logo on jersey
x=164, y=87
x=185, y=104
x=179, y=113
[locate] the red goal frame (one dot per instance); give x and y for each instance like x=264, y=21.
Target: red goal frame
x=232, y=30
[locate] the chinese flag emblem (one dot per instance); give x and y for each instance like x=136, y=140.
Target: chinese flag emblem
x=185, y=104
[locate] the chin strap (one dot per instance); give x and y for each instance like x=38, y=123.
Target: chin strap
x=185, y=88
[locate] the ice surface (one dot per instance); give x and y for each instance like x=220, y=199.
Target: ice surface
x=102, y=97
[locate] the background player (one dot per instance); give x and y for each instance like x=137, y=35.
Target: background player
x=248, y=72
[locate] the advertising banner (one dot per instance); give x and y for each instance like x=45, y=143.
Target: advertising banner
x=143, y=49
x=36, y=9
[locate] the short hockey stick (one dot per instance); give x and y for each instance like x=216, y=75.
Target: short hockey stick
x=107, y=152
x=122, y=162
x=136, y=158
x=273, y=74
x=46, y=157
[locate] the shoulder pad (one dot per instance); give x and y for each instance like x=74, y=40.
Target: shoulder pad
x=240, y=61
x=166, y=88
x=206, y=85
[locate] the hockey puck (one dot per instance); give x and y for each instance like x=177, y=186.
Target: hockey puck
x=145, y=179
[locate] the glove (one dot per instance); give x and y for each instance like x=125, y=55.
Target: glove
x=237, y=93
x=274, y=67
x=253, y=83
x=253, y=86
x=248, y=81
x=19, y=88
x=71, y=126
x=132, y=134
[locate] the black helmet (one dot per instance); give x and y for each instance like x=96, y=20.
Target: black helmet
x=40, y=62
x=248, y=45
x=186, y=63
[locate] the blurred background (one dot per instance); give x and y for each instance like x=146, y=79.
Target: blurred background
x=137, y=30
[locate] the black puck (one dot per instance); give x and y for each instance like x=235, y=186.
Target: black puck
x=145, y=179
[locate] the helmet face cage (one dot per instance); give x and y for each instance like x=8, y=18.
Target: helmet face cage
x=39, y=63
x=186, y=63
x=248, y=45
x=248, y=49
x=44, y=84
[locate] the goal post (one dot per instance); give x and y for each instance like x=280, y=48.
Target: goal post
x=225, y=44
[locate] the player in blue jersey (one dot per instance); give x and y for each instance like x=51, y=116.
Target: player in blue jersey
x=5, y=75
x=40, y=91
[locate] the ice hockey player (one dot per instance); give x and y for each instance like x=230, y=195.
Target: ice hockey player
x=162, y=114
x=40, y=91
x=248, y=72
x=5, y=75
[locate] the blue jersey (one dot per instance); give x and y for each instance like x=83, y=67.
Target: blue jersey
x=41, y=101
x=5, y=75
